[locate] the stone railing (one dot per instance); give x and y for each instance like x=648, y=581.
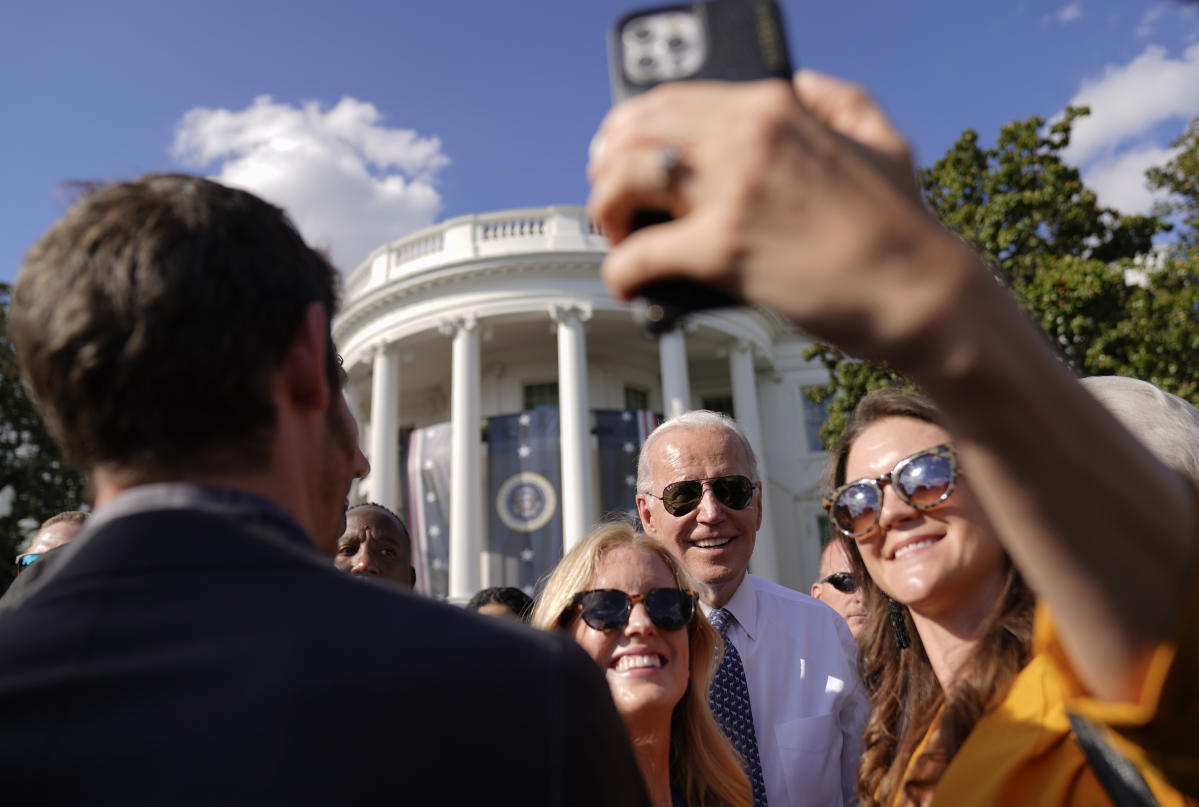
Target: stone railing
x=486, y=235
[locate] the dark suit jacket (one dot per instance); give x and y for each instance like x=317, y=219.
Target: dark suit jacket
x=179, y=657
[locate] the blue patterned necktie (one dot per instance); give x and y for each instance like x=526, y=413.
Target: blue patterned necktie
x=729, y=698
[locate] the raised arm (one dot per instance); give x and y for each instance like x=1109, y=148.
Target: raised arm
x=802, y=199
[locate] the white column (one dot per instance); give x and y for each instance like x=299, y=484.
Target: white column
x=384, y=454
x=578, y=497
x=353, y=395
x=466, y=522
x=676, y=385
x=745, y=407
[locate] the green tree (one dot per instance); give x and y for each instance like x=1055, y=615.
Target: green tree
x=35, y=482
x=1065, y=258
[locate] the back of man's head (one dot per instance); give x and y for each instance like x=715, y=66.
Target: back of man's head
x=1166, y=424
x=147, y=319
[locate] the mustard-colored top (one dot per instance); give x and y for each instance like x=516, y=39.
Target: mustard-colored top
x=1023, y=753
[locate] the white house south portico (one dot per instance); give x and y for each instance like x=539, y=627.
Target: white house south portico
x=493, y=333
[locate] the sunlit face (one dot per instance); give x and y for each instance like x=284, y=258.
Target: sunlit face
x=647, y=667
x=57, y=534
x=833, y=560
x=938, y=561
x=344, y=463
x=713, y=541
x=375, y=545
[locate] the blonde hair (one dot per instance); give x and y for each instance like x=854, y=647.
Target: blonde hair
x=704, y=768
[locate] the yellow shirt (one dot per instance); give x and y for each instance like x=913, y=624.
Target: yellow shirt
x=1023, y=753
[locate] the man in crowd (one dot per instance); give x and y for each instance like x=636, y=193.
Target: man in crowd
x=55, y=531
x=700, y=494
x=376, y=544
x=176, y=335
x=506, y=602
x=837, y=587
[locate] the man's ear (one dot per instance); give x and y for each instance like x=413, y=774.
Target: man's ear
x=816, y=590
x=303, y=370
x=412, y=576
x=645, y=510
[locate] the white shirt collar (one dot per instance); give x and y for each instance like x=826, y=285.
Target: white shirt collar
x=743, y=605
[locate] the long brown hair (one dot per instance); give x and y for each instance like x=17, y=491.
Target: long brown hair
x=906, y=697
x=704, y=767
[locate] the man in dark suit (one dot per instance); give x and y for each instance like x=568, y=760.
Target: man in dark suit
x=195, y=645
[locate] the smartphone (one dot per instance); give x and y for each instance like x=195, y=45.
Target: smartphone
x=724, y=40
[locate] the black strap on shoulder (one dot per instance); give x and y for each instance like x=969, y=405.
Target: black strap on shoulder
x=1119, y=777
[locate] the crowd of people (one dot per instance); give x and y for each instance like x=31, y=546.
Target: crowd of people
x=1006, y=612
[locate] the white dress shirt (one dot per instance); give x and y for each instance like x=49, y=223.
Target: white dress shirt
x=808, y=705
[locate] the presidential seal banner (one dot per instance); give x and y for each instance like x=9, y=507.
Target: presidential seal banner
x=524, y=479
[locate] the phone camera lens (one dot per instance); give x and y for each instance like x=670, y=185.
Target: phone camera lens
x=676, y=43
x=645, y=62
x=641, y=33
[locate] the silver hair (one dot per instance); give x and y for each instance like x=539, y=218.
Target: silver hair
x=1164, y=423
x=695, y=420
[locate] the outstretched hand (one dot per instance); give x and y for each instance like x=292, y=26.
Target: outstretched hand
x=800, y=197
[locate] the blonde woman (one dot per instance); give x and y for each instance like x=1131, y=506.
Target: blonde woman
x=630, y=605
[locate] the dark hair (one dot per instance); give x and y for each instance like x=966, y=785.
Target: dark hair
x=399, y=521
x=905, y=695
x=148, y=318
x=514, y=599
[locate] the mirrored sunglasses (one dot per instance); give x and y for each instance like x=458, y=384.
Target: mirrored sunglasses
x=26, y=560
x=923, y=480
x=680, y=498
x=609, y=609
x=842, y=581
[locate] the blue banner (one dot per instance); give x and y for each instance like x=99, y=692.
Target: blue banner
x=619, y=435
x=427, y=486
x=524, y=483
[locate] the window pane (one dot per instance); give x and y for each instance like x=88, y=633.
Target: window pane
x=538, y=396
x=814, y=415
x=636, y=398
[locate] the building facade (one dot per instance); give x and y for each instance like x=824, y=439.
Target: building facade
x=487, y=345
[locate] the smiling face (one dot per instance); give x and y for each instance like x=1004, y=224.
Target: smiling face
x=713, y=541
x=940, y=562
x=647, y=667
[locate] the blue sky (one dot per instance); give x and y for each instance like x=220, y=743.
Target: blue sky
x=370, y=119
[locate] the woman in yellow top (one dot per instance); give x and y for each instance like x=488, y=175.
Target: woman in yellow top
x=959, y=711
x=801, y=198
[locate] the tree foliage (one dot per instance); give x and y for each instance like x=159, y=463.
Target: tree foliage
x=1067, y=260
x=35, y=482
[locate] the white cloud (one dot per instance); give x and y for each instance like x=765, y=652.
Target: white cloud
x=1149, y=19
x=1119, y=181
x=1129, y=100
x=348, y=182
x=1070, y=13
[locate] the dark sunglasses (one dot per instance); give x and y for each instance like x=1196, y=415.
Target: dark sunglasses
x=924, y=480
x=609, y=609
x=26, y=560
x=842, y=581
x=680, y=498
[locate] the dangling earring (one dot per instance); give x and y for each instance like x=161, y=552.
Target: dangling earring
x=898, y=625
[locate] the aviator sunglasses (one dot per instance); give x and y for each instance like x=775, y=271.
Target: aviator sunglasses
x=733, y=491
x=609, y=609
x=923, y=480
x=842, y=581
